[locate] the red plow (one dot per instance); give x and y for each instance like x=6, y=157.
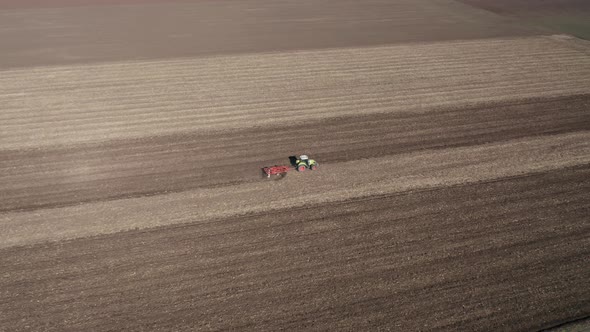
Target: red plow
x=276, y=170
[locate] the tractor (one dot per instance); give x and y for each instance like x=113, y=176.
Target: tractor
x=304, y=163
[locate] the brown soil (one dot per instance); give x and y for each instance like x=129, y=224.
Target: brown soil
x=509, y=254
x=13, y=4
x=530, y=6
x=96, y=102
x=79, y=34
x=453, y=192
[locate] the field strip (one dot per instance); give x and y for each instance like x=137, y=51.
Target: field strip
x=364, y=91
x=84, y=103
x=335, y=182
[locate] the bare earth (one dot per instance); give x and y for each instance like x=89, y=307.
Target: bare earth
x=524, y=6
x=453, y=192
x=488, y=256
x=32, y=35
x=79, y=103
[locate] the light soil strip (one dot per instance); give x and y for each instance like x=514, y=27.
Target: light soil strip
x=334, y=182
x=83, y=103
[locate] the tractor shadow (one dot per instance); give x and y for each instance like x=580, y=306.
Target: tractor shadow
x=293, y=161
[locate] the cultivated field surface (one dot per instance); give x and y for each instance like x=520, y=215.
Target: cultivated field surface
x=453, y=191
x=70, y=31
x=67, y=105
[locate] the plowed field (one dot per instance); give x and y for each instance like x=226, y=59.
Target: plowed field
x=453, y=192
x=64, y=105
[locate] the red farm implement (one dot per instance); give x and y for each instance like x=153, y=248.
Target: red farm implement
x=276, y=170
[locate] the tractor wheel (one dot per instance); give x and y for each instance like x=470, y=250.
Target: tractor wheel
x=301, y=168
x=313, y=167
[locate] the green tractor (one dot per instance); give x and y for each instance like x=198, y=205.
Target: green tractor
x=304, y=163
